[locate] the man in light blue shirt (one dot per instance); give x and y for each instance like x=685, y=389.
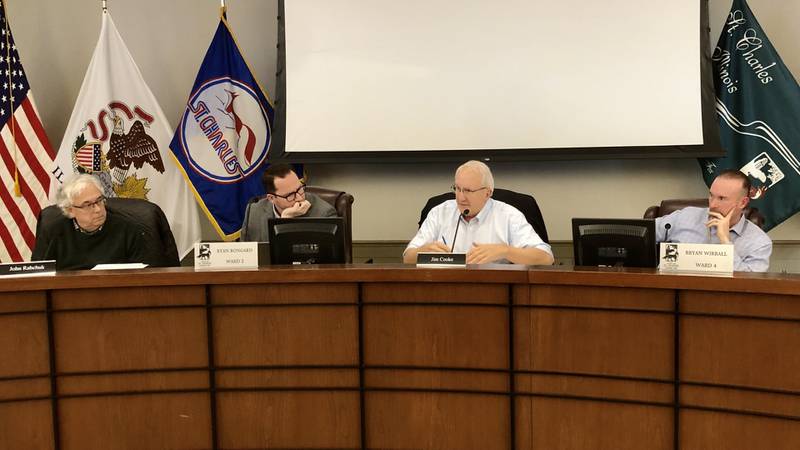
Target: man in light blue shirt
x=722, y=223
x=489, y=230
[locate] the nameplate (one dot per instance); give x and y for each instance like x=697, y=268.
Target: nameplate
x=28, y=269
x=675, y=257
x=441, y=259
x=225, y=255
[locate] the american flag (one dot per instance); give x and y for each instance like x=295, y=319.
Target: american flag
x=25, y=155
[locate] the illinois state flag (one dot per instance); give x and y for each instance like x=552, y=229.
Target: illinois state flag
x=119, y=133
x=224, y=135
x=25, y=155
x=758, y=103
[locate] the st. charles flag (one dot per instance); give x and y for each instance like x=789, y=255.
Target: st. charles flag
x=25, y=155
x=758, y=103
x=224, y=134
x=119, y=133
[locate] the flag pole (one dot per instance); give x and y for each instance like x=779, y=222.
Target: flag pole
x=222, y=8
x=104, y=4
x=11, y=121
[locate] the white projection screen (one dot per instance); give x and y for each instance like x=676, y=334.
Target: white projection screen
x=510, y=79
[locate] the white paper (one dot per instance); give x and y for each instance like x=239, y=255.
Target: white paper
x=123, y=266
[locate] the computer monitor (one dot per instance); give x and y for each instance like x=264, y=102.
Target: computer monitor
x=614, y=242
x=306, y=240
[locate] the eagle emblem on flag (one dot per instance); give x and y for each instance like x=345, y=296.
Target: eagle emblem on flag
x=126, y=152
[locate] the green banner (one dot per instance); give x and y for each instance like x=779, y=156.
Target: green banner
x=758, y=103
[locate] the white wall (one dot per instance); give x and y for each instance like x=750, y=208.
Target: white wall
x=169, y=38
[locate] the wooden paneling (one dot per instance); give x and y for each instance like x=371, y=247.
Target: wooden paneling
x=559, y=424
x=132, y=382
x=437, y=379
x=286, y=335
x=15, y=389
x=605, y=297
x=287, y=378
x=411, y=420
x=435, y=293
x=21, y=301
x=595, y=342
x=283, y=420
x=593, y=351
x=255, y=294
x=136, y=422
x=23, y=345
x=26, y=425
x=436, y=336
x=597, y=388
x=736, y=303
x=128, y=297
x=741, y=400
x=755, y=353
x=129, y=340
x=701, y=430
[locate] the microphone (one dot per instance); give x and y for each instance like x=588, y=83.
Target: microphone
x=455, y=235
x=666, y=232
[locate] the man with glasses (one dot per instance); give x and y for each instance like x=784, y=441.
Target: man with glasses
x=286, y=197
x=88, y=234
x=488, y=230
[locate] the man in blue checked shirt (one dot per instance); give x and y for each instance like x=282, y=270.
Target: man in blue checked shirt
x=723, y=222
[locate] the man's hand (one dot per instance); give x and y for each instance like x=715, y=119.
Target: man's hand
x=434, y=247
x=486, y=253
x=410, y=255
x=296, y=210
x=723, y=224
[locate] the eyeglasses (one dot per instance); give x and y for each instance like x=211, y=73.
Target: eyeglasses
x=465, y=191
x=100, y=201
x=292, y=196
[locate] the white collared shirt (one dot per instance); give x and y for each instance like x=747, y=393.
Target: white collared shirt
x=497, y=223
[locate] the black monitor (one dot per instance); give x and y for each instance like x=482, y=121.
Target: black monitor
x=614, y=242
x=306, y=240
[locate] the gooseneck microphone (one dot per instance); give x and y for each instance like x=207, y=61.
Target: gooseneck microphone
x=666, y=232
x=455, y=235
